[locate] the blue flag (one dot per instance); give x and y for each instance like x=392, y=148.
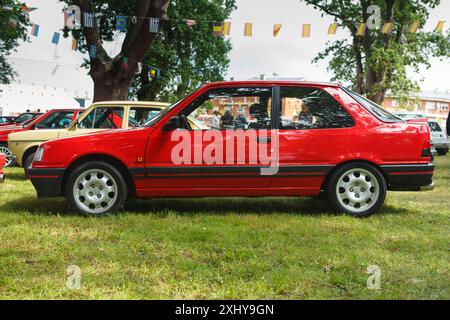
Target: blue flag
x=121, y=23
x=93, y=52
x=56, y=36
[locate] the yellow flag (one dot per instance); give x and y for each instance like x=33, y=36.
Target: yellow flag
x=361, y=29
x=306, y=30
x=387, y=28
x=74, y=44
x=414, y=27
x=439, y=26
x=276, y=29
x=226, y=28
x=217, y=29
x=332, y=29
x=248, y=32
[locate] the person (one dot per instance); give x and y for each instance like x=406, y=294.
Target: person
x=241, y=121
x=448, y=124
x=228, y=120
x=215, y=121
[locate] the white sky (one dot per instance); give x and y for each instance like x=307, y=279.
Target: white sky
x=289, y=55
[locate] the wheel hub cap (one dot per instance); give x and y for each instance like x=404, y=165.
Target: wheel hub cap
x=8, y=154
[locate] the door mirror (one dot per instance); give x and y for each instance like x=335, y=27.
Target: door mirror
x=172, y=124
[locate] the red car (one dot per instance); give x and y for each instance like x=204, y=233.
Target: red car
x=2, y=164
x=20, y=120
x=272, y=139
x=58, y=118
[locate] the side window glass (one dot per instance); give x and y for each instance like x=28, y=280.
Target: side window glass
x=57, y=120
x=311, y=108
x=138, y=116
x=230, y=109
x=103, y=118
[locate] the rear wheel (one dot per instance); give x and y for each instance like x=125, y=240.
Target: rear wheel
x=442, y=152
x=10, y=161
x=27, y=164
x=357, y=189
x=96, y=188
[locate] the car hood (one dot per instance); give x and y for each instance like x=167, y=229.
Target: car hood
x=35, y=135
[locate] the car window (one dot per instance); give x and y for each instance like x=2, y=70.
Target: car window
x=232, y=109
x=311, y=108
x=24, y=117
x=103, y=118
x=434, y=127
x=56, y=120
x=140, y=115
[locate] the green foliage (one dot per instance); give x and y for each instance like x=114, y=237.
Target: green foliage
x=187, y=56
x=10, y=36
x=384, y=60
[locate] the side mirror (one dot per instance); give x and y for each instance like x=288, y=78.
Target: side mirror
x=172, y=124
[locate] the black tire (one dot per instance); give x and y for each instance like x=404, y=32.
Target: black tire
x=442, y=152
x=27, y=164
x=118, y=181
x=375, y=198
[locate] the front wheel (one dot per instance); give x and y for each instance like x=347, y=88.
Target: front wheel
x=96, y=188
x=357, y=189
x=27, y=164
x=10, y=161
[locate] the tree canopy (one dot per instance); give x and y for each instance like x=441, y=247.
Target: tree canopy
x=376, y=62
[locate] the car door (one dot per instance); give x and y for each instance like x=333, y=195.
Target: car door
x=200, y=156
x=313, y=128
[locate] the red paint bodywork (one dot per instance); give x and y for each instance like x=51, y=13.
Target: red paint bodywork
x=370, y=140
x=31, y=124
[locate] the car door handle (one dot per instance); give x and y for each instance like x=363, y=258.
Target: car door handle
x=264, y=140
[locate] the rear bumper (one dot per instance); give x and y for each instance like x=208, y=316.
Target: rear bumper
x=47, y=182
x=409, y=177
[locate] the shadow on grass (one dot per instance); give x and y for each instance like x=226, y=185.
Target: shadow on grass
x=14, y=175
x=213, y=206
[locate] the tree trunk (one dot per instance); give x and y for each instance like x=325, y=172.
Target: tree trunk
x=107, y=90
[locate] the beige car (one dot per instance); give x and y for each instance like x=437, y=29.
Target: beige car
x=100, y=116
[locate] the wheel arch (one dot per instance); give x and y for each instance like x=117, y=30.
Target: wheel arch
x=119, y=165
x=28, y=152
x=330, y=174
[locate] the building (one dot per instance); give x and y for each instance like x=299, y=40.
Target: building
x=434, y=104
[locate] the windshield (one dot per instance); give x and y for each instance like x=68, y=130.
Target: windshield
x=379, y=112
x=434, y=127
x=24, y=117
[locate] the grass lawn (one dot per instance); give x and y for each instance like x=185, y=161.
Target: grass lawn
x=283, y=248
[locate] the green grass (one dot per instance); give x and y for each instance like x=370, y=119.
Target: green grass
x=225, y=248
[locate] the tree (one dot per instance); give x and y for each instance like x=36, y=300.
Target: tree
x=112, y=76
x=14, y=21
x=187, y=56
x=376, y=62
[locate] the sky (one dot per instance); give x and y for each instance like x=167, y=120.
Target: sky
x=40, y=63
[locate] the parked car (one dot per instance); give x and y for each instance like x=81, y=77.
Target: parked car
x=410, y=115
x=4, y=121
x=340, y=144
x=2, y=164
x=100, y=116
x=21, y=119
x=53, y=119
x=439, y=138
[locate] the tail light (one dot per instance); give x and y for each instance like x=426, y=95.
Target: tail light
x=426, y=149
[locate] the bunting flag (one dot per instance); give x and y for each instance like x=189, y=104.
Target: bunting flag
x=55, y=38
x=414, y=27
x=306, y=30
x=154, y=73
x=387, y=28
x=13, y=20
x=190, y=23
x=361, y=30
x=276, y=29
x=248, y=29
x=35, y=30
x=124, y=65
x=332, y=29
x=121, y=23
x=74, y=44
x=25, y=9
x=88, y=20
x=439, y=27
x=217, y=29
x=93, y=52
x=226, y=29
x=154, y=25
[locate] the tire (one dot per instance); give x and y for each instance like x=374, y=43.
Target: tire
x=96, y=188
x=10, y=161
x=357, y=189
x=441, y=152
x=27, y=164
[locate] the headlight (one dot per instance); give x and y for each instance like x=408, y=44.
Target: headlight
x=39, y=154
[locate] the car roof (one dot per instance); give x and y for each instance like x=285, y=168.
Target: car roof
x=132, y=103
x=272, y=82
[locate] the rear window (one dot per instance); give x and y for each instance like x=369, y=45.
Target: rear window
x=379, y=112
x=434, y=127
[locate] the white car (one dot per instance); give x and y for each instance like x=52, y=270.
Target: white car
x=438, y=138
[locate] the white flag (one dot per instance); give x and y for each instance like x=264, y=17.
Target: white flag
x=154, y=25
x=88, y=20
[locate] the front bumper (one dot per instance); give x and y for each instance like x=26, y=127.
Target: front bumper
x=409, y=177
x=47, y=182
